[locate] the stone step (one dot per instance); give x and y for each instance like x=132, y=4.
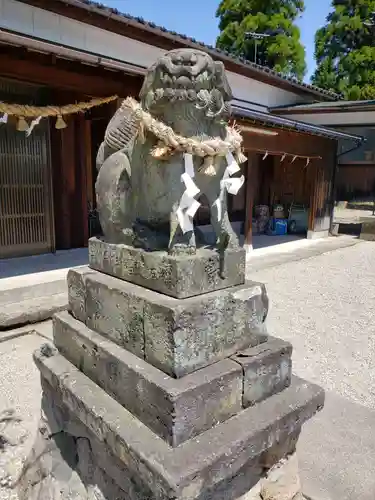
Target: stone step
x=175, y=409
x=32, y=310
x=224, y=462
x=178, y=336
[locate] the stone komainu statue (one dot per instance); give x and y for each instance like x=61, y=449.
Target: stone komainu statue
x=179, y=127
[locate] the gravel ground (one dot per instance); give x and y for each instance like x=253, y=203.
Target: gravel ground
x=326, y=307
x=19, y=406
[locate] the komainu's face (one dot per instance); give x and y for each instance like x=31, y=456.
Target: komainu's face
x=187, y=75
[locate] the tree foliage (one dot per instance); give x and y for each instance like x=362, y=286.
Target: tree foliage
x=345, y=50
x=282, y=51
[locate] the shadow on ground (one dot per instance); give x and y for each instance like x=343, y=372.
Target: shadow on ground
x=41, y=263
x=350, y=228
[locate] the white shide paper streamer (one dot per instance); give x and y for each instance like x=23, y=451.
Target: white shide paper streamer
x=4, y=118
x=32, y=125
x=188, y=204
x=232, y=186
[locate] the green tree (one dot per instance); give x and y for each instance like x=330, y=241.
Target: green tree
x=345, y=50
x=281, y=51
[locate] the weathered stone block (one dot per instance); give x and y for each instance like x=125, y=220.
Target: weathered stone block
x=175, y=409
x=177, y=336
x=68, y=461
x=116, y=311
x=177, y=276
x=194, y=469
x=267, y=369
x=77, y=291
x=97, y=470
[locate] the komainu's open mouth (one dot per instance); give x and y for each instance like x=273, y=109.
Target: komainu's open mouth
x=187, y=75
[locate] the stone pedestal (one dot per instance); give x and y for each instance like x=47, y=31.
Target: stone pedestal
x=155, y=390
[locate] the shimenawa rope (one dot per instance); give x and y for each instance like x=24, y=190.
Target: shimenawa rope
x=171, y=142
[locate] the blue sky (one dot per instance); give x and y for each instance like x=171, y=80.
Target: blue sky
x=181, y=16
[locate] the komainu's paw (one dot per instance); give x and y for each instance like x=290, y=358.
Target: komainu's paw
x=182, y=249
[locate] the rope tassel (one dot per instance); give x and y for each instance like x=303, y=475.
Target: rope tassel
x=22, y=125
x=208, y=167
x=60, y=123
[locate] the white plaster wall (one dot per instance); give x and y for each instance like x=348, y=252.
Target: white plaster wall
x=255, y=91
x=32, y=21
x=332, y=119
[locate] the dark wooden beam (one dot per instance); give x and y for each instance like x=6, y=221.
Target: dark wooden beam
x=73, y=76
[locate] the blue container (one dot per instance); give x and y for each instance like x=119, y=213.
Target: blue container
x=280, y=227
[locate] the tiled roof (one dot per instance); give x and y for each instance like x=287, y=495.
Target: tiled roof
x=278, y=121
x=326, y=105
x=143, y=24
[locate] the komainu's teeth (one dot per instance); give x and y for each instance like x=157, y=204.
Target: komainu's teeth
x=159, y=93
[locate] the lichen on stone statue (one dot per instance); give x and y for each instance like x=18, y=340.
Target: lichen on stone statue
x=160, y=155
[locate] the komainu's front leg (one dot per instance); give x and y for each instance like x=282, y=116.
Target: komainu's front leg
x=113, y=197
x=180, y=243
x=217, y=198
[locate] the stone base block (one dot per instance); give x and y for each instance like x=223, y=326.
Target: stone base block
x=267, y=369
x=316, y=235
x=176, y=276
x=175, y=409
x=178, y=336
x=368, y=231
x=119, y=457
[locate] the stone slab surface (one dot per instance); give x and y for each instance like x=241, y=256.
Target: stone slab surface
x=194, y=469
x=175, y=409
x=267, y=369
x=32, y=310
x=178, y=336
x=177, y=276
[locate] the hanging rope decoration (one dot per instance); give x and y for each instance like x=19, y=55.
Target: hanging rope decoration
x=37, y=113
x=170, y=142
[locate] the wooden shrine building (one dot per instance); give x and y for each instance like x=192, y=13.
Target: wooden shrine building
x=67, y=51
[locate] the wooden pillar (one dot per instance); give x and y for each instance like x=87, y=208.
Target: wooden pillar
x=251, y=182
x=64, y=182
x=313, y=195
x=89, y=164
x=84, y=173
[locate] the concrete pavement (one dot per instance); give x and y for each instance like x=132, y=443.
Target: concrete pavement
x=33, y=288
x=337, y=452
x=325, y=306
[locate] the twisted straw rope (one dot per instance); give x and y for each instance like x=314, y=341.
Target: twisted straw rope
x=45, y=111
x=173, y=141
